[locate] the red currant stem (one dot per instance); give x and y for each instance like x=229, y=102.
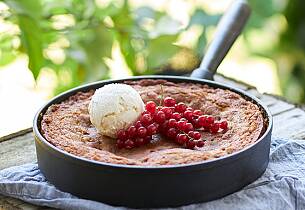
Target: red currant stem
x=192, y=137
x=188, y=135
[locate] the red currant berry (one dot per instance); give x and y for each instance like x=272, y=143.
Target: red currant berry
x=122, y=135
x=188, y=127
x=197, y=112
x=159, y=108
x=167, y=111
x=210, y=119
x=147, y=139
x=188, y=115
x=214, y=128
x=200, y=143
x=191, y=134
x=172, y=123
x=202, y=121
x=151, y=107
x=176, y=116
x=157, y=127
x=120, y=143
x=169, y=101
x=172, y=133
x=195, y=123
x=160, y=117
x=142, y=131
x=181, y=125
x=181, y=138
x=190, y=109
x=223, y=125
x=180, y=107
x=131, y=131
x=164, y=127
x=151, y=129
x=172, y=108
x=196, y=135
x=190, y=144
x=139, y=142
x=138, y=124
x=146, y=119
x=129, y=144
x=145, y=112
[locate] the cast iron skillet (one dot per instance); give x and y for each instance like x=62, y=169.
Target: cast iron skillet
x=161, y=186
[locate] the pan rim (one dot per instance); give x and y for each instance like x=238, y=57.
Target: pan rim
x=236, y=155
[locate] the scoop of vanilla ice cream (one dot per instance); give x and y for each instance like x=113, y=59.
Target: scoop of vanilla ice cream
x=114, y=107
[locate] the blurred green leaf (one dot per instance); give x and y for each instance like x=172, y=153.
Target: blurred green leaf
x=200, y=17
x=160, y=50
x=30, y=8
x=201, y=44
x=109, y=11
x=261, y=10
x=144, y=12
x=294, y=35
x=165, y=26
x=55, y=7
x=6, y=57
x=291, y=49
x=97, y=45
x=128, y=51
x=124, y=26
x=7, y=52
x=31, y=39
x=5, y=41
x=123, y=21
x=29, y=14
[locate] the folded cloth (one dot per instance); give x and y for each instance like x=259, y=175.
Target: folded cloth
x=282, y=186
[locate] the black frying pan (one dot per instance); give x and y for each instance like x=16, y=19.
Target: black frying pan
x=162, y=186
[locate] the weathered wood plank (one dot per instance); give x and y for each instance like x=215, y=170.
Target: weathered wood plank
x=17, y=151
x=276, y=106
x=226, y=81
x=28, y=206
x=14, y=201
x=16, y=134
x=16, y=204
x=290, y=124
x=7, y=205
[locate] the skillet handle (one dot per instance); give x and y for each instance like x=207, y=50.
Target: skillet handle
x=228, y=29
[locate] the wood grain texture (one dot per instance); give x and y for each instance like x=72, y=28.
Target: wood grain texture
x=17, y=149
x=8, y=203
x=290, y=124
x=16, y=134
x=275, y=105
x=224, y=80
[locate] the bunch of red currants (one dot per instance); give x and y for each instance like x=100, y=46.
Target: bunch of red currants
x=175, y=121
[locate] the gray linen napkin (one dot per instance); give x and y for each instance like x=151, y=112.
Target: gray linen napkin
x=282, y=186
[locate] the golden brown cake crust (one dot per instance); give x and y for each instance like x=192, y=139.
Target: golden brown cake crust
x=68, y=127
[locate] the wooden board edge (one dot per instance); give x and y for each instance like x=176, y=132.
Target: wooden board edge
x=16, y=134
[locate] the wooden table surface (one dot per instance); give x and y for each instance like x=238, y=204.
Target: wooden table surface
x=19, y=148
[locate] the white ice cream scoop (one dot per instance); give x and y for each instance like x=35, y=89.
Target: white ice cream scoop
x=114, y=107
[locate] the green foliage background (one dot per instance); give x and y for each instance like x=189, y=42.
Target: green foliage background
x=146, y=38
